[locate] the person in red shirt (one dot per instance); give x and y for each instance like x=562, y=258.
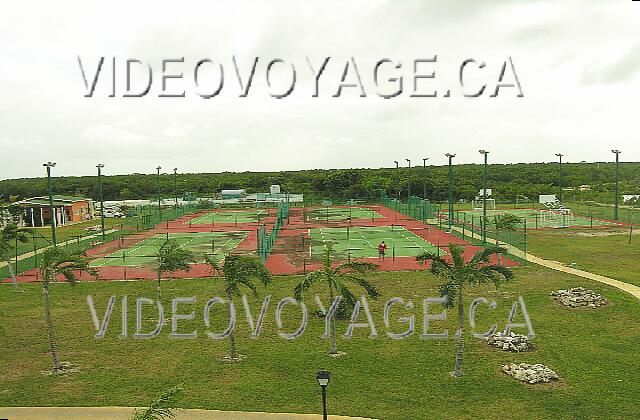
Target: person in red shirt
x=382, y=249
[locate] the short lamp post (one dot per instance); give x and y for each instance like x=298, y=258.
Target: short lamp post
x=323, y=380
x=615, y=200
x=50, y=165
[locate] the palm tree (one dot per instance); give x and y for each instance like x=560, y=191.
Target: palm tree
x=170, y=258
x=9, y=235
x=506, y=222
x=336, y=279
x=459, y=274
x=239, y=270
x=56, y=261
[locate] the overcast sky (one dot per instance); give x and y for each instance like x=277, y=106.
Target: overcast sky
x=578, y=63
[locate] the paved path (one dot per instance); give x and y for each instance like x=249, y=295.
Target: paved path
x=84, y=238
x=125, y=413
x=558, y=266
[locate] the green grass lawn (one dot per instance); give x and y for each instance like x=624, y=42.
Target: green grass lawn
x=342, y=213
x=362, y=242
x=594, y=351
x=602, y=251
x=64, y=233
x=236, y=216
x=535, y=219
x=217, y=244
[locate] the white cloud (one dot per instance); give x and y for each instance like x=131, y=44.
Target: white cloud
x=176, y=130
x=109, y=134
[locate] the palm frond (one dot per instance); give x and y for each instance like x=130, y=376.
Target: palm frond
x=450, y=290
x=484, y=255
x=356, y=267
x=371, y=290
x=309, y=280
x=457, y=254
x=161, y=408
x=344, y=291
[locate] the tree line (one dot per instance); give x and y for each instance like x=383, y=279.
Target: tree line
x=508, y=182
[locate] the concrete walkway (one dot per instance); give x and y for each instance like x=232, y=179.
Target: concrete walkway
x=125, y=413
x=558, y=266
x=67, y=242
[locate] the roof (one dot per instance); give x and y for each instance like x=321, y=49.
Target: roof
x=58, y=201
x=70, y=198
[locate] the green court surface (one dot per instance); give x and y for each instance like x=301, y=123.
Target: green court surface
x=138, y=254
x=536, y=218
x=362, y=242
x=233, y=217
x=342, y=213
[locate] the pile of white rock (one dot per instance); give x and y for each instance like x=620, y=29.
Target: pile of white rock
x=579, y=297
x=532, y=374
x=510, y=342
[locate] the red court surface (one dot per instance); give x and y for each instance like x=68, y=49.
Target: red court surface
x=284, y=259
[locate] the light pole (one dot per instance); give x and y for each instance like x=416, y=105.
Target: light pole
x=175, y=188
x=323, y=380
x=560, y=161
x=484, y=196
x=424, y=185
x=409, y=180
x=50, y=165
x=101, y=197
x=615, y=206
x=424, y=189
x=159, y=207
x=398, y=180
x=450, y=156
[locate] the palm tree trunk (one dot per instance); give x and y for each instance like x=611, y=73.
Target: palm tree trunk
x=12, y=273
x=232, y=338
x=49, y=322
x=334, y=339
x=459, y=335
x=159, y=274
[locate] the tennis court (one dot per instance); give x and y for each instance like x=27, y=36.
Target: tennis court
x=142, y=253
x=536, y=219
x=362, y=242
x=229, y=217
x=342, y=213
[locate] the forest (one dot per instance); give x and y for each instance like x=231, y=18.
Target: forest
x=509, y=182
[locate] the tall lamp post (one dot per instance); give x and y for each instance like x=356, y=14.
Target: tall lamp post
x=397, y=179
x=615, y=205
x=101, y=197
x=159, y=206
x=424, y=184
x=409, y=180
x=560, y=182
x=175, y=188
x=323, y=380
x=484, y=196
x=450, y=156
x=50, y=165
x=424, y=189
